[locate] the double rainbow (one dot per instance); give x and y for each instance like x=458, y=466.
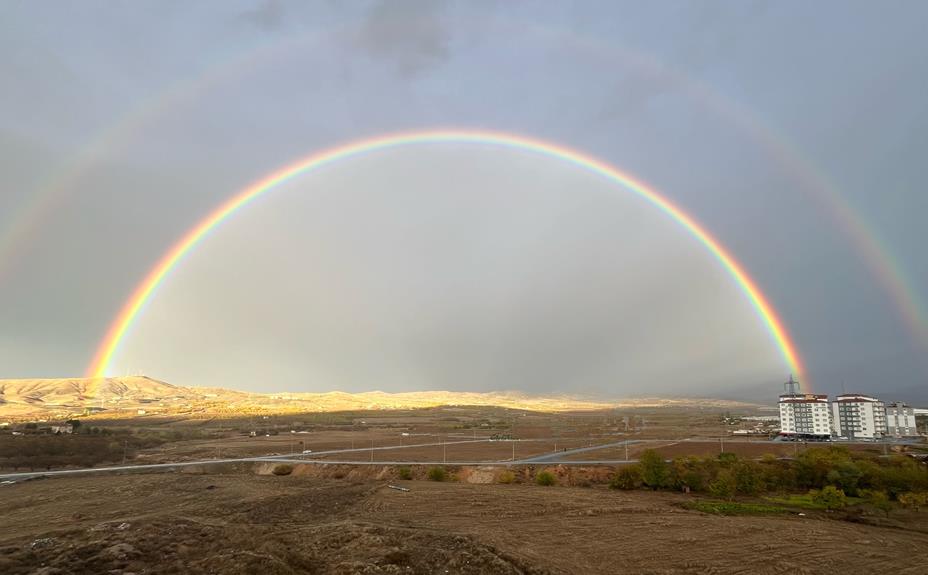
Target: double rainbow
x=131, y=309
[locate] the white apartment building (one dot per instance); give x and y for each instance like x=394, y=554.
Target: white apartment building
x=900, y=420
x=857, y=416
x=804, y=414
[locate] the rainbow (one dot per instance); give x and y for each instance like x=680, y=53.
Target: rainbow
x=133, y=306
x=25, y=223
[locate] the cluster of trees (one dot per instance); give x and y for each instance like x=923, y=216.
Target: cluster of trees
x=824, y=470
x=85, y=448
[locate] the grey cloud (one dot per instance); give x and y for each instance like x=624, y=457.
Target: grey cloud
x=845, y=85
x=409, y=34
x=268, y=15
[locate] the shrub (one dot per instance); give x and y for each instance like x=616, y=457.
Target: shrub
x=727, y=458
x=830, y=497
x=627, y=477
x=282, y=469
x=878, y=500
x=653, y=469
x=913, y=500
x=507, y=477
x=545, y=478
x=437, y=474
x=404, y=473
x=724, y=485
x=688, y=473
x=814, y=464
x=748, y=479
x=845, y=476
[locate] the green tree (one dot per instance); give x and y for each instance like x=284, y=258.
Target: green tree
x=727, y=458
x=653, y=469
x=902, y=474
x=627, y=477
x=724, y=485
x=845, y=475
x=813, y=464
x=778, y=476
x=829, y=497
x=690, y=473
x=879, y=500
x=404, y=473
x=748, y=478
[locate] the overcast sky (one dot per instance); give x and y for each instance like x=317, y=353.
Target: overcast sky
x=456, y=266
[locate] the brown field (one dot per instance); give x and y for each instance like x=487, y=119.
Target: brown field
x=696, y=431
x=329, y=518
x=345, y=520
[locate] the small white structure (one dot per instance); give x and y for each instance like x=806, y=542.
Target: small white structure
x=857, y=416
x=804, y=415
x=900, y=420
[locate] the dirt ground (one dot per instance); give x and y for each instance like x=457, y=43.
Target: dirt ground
x=310, y=522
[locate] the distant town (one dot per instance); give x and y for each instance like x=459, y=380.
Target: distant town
x=849, y=417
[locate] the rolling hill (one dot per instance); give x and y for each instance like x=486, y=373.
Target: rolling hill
x=139, y=395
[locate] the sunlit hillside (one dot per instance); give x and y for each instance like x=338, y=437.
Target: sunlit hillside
x=141, y=396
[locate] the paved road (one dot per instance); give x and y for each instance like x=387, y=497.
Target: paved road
x=547, y=458
x=291, y=457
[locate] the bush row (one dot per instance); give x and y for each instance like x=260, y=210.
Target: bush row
x=815, y=468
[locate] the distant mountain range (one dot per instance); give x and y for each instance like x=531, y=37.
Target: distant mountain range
x=144, y=396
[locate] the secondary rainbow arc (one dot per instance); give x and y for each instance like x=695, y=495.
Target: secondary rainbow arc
x=143, y=292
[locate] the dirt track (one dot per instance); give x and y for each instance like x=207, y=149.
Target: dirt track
x=245, y=523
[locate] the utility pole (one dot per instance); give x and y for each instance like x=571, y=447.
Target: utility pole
x=513, y=442
x=444, y=452
x=626, y=449
x=125, y=446
x=372, y=450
